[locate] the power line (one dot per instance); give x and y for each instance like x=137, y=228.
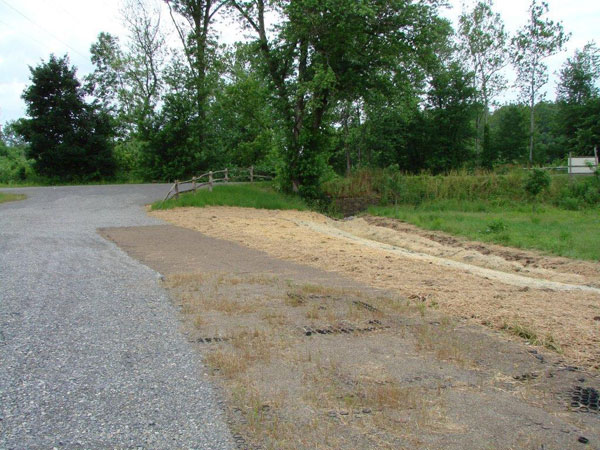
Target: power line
x=43, y=44
x=56, y=5
x=43, y=29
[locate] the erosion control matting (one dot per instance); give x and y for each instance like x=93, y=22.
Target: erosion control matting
x=549, y=300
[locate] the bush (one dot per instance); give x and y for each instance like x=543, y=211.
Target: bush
x=14, y=167
x=569, y=203
x=537, y=181
x=497, y=188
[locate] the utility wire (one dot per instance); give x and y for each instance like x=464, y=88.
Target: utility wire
x=43, y=29
x=43, y=44
x=67, y=12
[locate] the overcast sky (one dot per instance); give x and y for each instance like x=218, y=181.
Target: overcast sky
x=32, y=29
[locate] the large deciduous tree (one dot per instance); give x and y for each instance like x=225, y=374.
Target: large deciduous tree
x=193, y=20
x=68, y=138
x=577, y=98
x=539, y=39
x=129, y=81
x=579, y=75
x=323, y=52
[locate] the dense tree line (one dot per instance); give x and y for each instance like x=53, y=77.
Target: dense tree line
x=334, y=85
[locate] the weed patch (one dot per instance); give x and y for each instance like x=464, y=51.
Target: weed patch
x=532, y=337
x=10, y=197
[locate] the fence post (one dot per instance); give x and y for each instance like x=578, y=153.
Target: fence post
x=251, y=174
x=176, y=188
x=210, y=181
x=570, y=170
x=226, y=175
x=194, y=184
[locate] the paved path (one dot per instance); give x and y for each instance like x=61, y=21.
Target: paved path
x=90, y=352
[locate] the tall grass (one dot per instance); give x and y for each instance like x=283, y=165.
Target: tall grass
x=258, y=195
x=394, y=187
x=572, y=234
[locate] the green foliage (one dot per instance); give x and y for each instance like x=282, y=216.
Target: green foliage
x=68, y=138
x=578, y=76
x=537, y=181
x=496, y=226
x=451, y=109
x=566, y=233
x=258, y=195
x=395, y=187
x=334, y=87
x=14, y=166
x=326, y=52
x=539, y=39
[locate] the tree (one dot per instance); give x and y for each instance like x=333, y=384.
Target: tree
x=325, y=52
x=146, y=58
x=68, y=138
x=576, y=95
x=509, y=133
x=579, y=75
x=194, y=30
x=536, y=41
x=241, y=117
x=483, y=43
x=450, y=108
x=129, y=82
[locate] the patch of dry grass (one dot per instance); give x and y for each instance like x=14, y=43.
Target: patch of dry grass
x=517, y=290
x=292, y=390
x=440, y=340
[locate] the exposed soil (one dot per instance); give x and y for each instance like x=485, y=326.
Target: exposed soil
x=556, y=303
x=313, y=359
x=495, y=256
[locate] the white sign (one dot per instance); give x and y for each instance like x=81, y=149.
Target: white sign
x=582, y=166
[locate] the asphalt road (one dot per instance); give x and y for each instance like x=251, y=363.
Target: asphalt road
x=91, y=355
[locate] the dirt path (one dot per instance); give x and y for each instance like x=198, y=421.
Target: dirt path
x=554, y=302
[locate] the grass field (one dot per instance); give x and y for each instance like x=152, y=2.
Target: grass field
x=573, y=234
x=10, y=197
x=257, y=195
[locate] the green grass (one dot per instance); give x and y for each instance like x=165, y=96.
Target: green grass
x=10, y=197
x=573, y=234
x=257, y=195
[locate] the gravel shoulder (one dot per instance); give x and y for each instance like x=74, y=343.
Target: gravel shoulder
x=91, y=350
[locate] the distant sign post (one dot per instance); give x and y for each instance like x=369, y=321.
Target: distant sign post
x=584, y=165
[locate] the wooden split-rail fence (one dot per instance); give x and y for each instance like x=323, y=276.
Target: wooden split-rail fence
x=209, y=179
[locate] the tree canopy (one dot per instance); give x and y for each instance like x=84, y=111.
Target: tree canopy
x=311, y=90
x=69, y=139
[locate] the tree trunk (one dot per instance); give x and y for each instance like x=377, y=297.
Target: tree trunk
x=531, y=130
x=531, y=119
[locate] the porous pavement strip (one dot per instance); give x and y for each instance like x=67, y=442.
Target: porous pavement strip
x=90, y=347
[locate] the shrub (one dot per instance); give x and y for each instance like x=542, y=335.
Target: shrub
x=537, y=181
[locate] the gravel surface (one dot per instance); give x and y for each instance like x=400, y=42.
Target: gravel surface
x=90, y=350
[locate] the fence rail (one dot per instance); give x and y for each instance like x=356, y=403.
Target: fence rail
x=212, y=178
